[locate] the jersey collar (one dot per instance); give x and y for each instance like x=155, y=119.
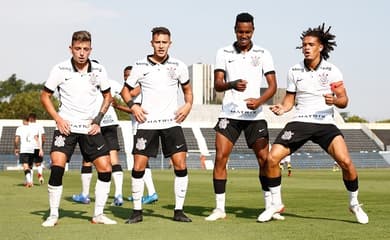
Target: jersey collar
x=315, y=69
x=75, y=69
x=237, y=48
x=149, y=59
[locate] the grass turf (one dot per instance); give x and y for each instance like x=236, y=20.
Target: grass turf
x=316, y=208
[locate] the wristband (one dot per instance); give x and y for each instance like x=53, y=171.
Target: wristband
x=130, y=103
x=98, y=118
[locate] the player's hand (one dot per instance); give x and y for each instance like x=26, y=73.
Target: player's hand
x=239, y=85
x=41, y=153
x=182, y=113
x=277, y=109
x=329, y=99
x=139, y=113
x=252, y=103
x=63, y=126
x=95, y=129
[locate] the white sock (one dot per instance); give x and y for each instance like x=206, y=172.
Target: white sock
x=102, y=189
x=220, y=201
x=137, y=189
x=55, y=194
x=149, y=181
x=276, y=195
x=353, y=198
x=267, y=199
x=85, y=183
x=118, y=181
x=39, y=169
x=28, y=177
x=31, y=176
x=181, y=184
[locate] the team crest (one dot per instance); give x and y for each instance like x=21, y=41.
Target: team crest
x=223, y=123
x=141, y=144
x=172, y=72
x=323, y=78
x=287, y=135
x=93, y=79
x=255, y=61
x=59, y=141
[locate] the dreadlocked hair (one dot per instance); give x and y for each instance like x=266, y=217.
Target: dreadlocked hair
x=325, y=37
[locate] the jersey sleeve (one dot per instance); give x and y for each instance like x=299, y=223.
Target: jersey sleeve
x=183, y=75
x=136, y=74
x=268, y=65
x=54, y=78
x=220, y=63
x=291, y=85
x=104, y=82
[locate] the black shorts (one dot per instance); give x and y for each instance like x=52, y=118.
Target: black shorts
x=295, y=134
x=110, y=134
x=91, y=146
x=146, y=142
x=26, y=158
x=37, y=158
x=253, y=129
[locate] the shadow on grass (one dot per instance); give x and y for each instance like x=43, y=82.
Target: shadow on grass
x=63, y=214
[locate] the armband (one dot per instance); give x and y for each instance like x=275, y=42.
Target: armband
x=130, y=103
x=98, y=118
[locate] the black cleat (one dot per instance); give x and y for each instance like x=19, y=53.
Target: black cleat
x=181, y=217
x=135, y=217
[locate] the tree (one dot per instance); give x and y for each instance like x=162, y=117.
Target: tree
x=355, y=118
x=11, y=87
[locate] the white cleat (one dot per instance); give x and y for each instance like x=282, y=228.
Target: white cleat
x=277, y=216
x=267, y=214
x=217, y=214
x=360, y=215
x=51, y=221
x=102, y=219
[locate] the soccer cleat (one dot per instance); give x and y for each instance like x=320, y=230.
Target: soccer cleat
x=102, y=219
x=135, y=217
x=80, y=198
x=215, y=215
x=179, y=216
x=277, y=216
x=360, y=215
x=130, y=198
x=28, y=184
x=40, y=179
x=150, y=199
x=51, y=221
x=267, y=214
x=118, y=201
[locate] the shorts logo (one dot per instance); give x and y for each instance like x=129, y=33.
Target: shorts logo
x=223, y=123
x=141, y=144
x=60, y=141
x=99, y=148
x=179, y=146
x=287, y=135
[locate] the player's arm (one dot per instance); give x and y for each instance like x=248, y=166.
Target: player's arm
x=220, y=85
x=183, y=111
x=137, y=111
x=16, y=145
x=338, y=97
x=107, y=100
x=62, y=125
x=254, y=103
x=286, y=105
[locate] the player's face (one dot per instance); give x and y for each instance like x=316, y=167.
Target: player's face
x=80, y=51
x=311, y=48
x=160, y=44
x=126, y=74
x=244, y=32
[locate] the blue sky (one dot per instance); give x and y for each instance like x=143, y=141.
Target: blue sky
x=36, y=36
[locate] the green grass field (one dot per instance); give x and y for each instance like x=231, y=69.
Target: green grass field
x=316, y=208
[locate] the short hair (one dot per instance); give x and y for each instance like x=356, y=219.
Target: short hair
x=32, y=116
x=244, y=17
x=161, y=30
x=324, y=36
x=82, y=36
x=128, y=68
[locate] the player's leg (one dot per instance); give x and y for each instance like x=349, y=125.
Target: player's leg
x=117, y=174
x=86, y=177
x=148, y=180
x=339, y=151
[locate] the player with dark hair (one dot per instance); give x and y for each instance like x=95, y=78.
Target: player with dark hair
x=78, y=81
x=159, y=117
x=239, y=71
x=38, y=148
x=314, y=87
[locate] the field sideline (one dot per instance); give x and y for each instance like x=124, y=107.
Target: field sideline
x=316, y=208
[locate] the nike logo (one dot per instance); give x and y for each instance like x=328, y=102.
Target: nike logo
x=261, y=130
x=299, y=79
x=99, y=148
x=66, y=79
x=230, y=61
x=146, y=74
x=179, y=146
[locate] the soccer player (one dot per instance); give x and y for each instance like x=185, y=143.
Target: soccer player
x=148, y=180
x=38, y=149
x=109, y=129
x=78, y=81
x=314, y=86
x=239, y=72
x=25, y=137
x=159, y=116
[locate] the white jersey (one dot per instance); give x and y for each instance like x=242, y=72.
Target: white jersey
x=38, y=128
x=110, y=118
x=310, y=86
x=28, y=136
x=159, y=84
x=78, y=92
x=249, y=66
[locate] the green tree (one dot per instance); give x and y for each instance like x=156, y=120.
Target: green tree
x=11, y=87
x=355, y=118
